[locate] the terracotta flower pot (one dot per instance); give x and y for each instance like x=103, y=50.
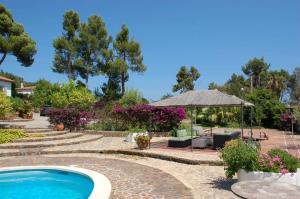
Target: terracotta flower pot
x=142, y=144
x=59, y=127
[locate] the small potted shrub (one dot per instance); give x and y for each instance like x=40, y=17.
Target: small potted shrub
x=142, y=141
x=238, y=155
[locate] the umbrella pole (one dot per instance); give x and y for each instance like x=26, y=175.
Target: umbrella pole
x=242, y=120
x=191, y=129
x=251, y=122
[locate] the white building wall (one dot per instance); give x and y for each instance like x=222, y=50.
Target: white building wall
x=6, y=87
x=25, y=92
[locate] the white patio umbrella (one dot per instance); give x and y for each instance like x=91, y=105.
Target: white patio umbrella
x=203, y=98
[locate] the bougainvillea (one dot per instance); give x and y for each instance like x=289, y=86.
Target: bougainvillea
x=71, y=118
x=286, y=121
x=150, y=117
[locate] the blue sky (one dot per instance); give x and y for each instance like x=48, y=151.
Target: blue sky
x=216, y=36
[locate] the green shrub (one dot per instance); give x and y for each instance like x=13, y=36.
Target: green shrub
x=42, y=93
x=17, y=103
x=8, y=135
x=238, y=155
x=71, y=96
x=5, y=106
x=290, y=162
x=131, y=97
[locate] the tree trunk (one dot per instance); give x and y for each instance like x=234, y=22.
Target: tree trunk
x=69, y=69
x=3, y=57
x=122, y=83
x=87, y=80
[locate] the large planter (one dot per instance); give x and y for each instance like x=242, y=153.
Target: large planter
x=59, y=127
x=290, y=178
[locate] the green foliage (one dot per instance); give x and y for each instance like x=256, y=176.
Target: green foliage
x=257, y=68
x=5, y=106
x=14, y=40
x=238, y=155
x=42, y=93
x=219, y=116
x=186, y=79
x=73, y=97
x=267, y=109
x=26, y=109
x=8, y=135
x=128, y=56
x=136, y=130
x=65, y=57
x=17, y=103
x=277, y=82
x=92, y=46
x=290, y=162
x=131, y=97
x=294, y=85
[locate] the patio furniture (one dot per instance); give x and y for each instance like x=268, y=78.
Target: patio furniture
x=179, y=142
x=219, y=139
x=202, y=142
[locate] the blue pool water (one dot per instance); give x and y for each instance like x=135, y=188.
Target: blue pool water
x=44, y=184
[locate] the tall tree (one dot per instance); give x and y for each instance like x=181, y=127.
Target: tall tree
x=14, y=40
x=234, y=84
x=111, y=90
x=128, y=56
x=65, y=57
x=278, y=82
x=294, y=86
x=186, y=79
x=255, y=69
x=92, y=44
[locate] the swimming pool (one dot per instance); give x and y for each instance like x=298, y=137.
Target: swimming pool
x=52, y=183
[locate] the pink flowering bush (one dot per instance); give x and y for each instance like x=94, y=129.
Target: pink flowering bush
x=272, y=164
x=71, y=118
x=238, y=155
x=150, y=117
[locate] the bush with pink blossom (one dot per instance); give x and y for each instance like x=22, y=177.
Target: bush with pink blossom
x=150, y=117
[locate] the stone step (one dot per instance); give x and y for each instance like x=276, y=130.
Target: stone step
x=83, y=139
x=38, y=130
x=49, y=138
x=49, y=134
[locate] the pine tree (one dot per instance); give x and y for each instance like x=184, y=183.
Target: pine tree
x=14, y=40
x=66, y=56
x=93, y=43
x=128, y=56
x=186, y=79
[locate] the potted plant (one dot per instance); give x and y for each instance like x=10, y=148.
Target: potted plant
x=142, y=140
x=249, y=164
x=133, y=133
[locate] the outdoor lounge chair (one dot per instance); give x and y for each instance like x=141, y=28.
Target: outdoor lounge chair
x=219, y=139
x=179, y=142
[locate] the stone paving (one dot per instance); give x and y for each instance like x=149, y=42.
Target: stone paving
x=261, y=189
x=142, y=178
x=37, y=122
